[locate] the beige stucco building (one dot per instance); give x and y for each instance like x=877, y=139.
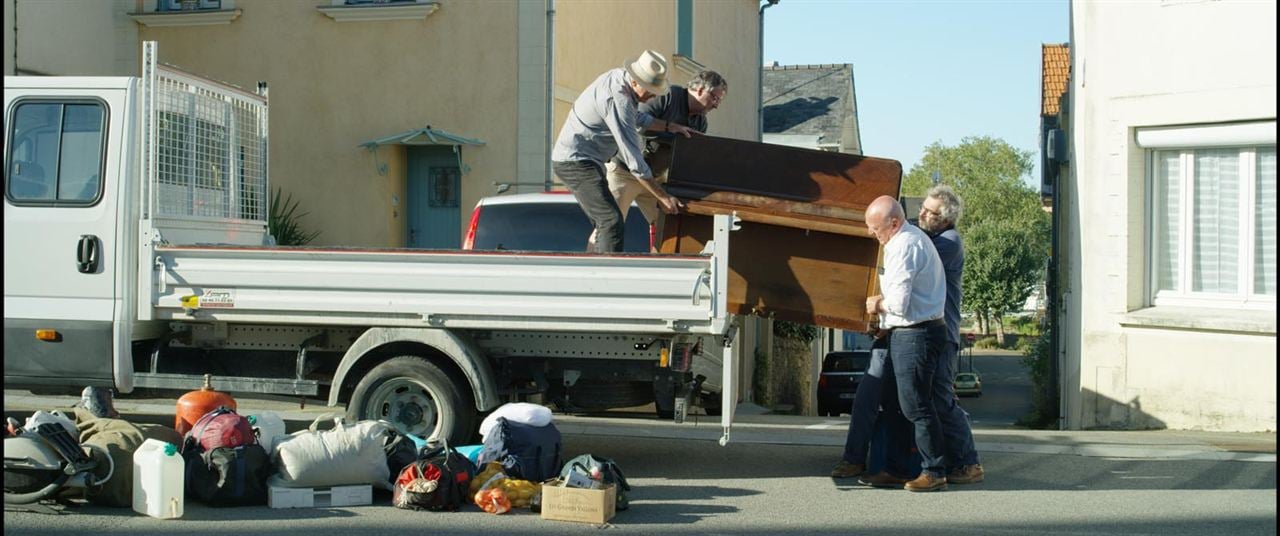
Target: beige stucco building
x=355, y=84
x=1168, y=213
x=390, y=119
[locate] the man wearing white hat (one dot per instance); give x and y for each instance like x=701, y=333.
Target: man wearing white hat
x=688, y=106
x=605, y=121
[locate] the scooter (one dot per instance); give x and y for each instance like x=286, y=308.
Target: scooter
x=39, y=465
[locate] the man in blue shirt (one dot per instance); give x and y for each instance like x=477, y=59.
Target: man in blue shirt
x=605, y=121
x=939, y=213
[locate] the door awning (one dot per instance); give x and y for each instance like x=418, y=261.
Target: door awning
x=422, y=136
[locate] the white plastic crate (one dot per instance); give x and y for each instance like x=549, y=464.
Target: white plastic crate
x=282, y=497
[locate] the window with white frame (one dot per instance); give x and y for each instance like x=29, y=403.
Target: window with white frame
x=1212, y=215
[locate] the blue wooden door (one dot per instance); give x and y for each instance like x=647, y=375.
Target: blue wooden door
x=433, y=212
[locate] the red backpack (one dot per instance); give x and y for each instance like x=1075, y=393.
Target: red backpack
x=222, y=427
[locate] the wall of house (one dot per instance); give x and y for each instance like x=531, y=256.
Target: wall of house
x=592, y=37
x=1127, y=364
x=471, y=68
x=70, y=37
x=335, y=85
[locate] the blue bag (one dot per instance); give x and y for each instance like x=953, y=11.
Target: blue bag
x=526, y=452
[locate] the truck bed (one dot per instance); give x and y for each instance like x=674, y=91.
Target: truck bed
x=448, y=289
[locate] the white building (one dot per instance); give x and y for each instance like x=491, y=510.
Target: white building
x=1168, y=217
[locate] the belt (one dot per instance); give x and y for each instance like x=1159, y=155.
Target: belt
x=922, y=325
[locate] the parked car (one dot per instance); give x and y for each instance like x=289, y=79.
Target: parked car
x=545, y=221
x=968, y=384
x=838, y=382
x=554, y=222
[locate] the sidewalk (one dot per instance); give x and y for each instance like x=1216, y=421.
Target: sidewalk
x=753, y=426
x=289, y=408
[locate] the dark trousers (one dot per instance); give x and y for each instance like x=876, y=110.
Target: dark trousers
x=956, y=428
x=877, y=399
x=866, y=405
x=915, y=356
x=586, y=180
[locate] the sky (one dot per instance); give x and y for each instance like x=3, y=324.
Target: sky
x=927, y=71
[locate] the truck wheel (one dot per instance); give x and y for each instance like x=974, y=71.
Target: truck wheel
x=416, y=396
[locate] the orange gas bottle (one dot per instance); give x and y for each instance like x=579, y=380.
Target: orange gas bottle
x=195, y=404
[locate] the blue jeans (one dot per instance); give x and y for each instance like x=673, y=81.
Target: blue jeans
x=915, y=356
x=586, y=180
x=956, y=429
x=866, y=406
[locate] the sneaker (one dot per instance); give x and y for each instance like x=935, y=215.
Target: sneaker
x=927, y=482
x=847, y=470
x=966, y=474
x=98, y=401
x=882, y=479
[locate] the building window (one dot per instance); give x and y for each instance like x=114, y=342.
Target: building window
x=55, y=153
x=1213, y=225
x=684, y=28
x=187, y=5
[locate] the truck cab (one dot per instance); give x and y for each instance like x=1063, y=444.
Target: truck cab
x=64, y=276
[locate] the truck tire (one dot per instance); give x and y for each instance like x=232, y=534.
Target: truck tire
x=418, y=397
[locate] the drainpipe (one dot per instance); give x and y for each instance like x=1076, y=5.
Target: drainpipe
x=14, y=22
x=760, y=74
x=551, y=92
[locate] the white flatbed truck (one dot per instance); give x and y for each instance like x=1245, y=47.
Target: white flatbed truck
x=137, y=256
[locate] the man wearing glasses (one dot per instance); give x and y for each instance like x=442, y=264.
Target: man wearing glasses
x=939, y=214
x=687, y=107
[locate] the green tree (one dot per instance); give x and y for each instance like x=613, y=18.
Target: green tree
x=1003, y=263
x=1005, y=231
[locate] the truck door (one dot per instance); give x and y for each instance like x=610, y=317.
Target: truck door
x=61, y=162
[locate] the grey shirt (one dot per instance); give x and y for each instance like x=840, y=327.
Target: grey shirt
x=672, y=108
x=604, y=122
x=951, y=251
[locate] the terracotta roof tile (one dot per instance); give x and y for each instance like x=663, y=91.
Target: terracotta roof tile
x=1055, y=70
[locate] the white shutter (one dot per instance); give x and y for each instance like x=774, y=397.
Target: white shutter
x=1221, y=135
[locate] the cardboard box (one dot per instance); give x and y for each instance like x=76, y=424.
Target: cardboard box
x=577, y=504
x=282, y=497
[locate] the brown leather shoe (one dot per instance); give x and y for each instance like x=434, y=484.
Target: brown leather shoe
x=847, y=470
x=927, y=482
x=968, y=474
x=882, y=480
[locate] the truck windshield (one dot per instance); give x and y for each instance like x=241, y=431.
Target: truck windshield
x=549, y=227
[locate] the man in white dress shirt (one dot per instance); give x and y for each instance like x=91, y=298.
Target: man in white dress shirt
x=913, y=292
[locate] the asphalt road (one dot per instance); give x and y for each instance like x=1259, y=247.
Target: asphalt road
x=684, y=486
x=772, y=479
x=1006, y=389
